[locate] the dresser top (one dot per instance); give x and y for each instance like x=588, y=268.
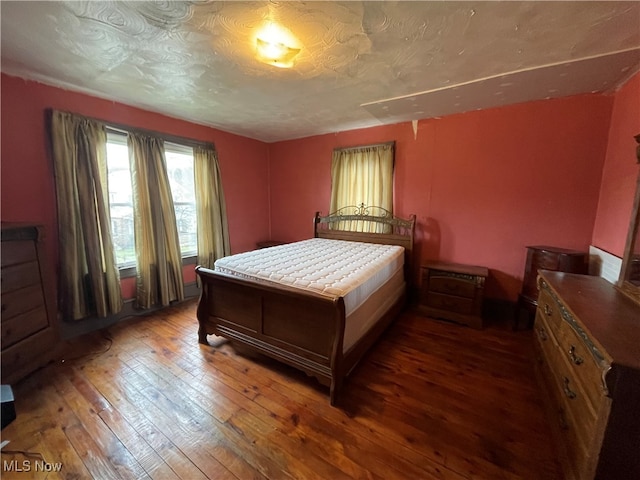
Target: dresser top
x=610, y=318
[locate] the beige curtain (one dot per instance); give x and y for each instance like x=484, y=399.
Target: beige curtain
x=211, y=211
x=89, y=283
x=158, y=258
x=362, y=175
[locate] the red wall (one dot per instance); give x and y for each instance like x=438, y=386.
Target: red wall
x=620, y=171
x=27, y=184
x=483, y=184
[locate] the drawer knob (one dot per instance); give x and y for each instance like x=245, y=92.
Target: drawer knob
x=576, y=359
x=547, y=309
x=542, y=334
x=567, y=391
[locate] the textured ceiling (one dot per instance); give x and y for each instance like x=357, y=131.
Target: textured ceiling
x=362, y=63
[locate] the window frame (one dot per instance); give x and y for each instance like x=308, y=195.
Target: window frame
x=118, y=136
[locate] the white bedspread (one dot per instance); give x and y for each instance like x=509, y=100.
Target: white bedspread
x=335, y=268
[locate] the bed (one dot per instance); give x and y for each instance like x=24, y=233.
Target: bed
x=312, y=317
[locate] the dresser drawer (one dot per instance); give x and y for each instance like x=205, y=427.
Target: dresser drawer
x=19, y=276
x=571, y=346
x=579, y=413
x=452, y=285
x=574, y=447
x=544, y=334
x=569, y=387
x=584, y=367
x=23, y=313
x=18, y=252
x=21, y=326
x=596, y=335
x=450, y=303
x=549, y=309
x=19, y=301
x=31, y=353
x=28, y=333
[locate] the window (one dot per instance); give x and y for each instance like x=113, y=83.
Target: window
x=120, y=200
x=362, y=177
x=179, y=160
x=180, y=171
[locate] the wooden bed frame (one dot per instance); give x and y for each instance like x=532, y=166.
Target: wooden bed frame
x=301, y=328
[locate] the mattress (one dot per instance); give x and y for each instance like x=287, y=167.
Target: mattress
x=333, y=268
x=360, y=321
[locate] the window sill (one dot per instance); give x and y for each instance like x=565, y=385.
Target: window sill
x=129, y=272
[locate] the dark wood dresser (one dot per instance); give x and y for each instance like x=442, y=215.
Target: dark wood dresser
x=453, y=292
x=587, y=339
x=544, y=257
x=29, y=334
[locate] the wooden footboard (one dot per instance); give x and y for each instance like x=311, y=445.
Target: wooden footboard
x=301, y=329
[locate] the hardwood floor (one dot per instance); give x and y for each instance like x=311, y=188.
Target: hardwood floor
x=144, y=400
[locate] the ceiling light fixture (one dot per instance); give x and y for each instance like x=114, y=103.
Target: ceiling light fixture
x=277, y=46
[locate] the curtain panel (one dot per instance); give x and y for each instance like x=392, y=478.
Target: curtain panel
x=89, y=282
x=158, y=258
x=211, y=211
x=362, y=175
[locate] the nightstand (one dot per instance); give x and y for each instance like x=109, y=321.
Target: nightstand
x=269, y=243
x=453, y=292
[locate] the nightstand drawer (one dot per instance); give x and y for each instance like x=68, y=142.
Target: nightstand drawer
x=453, y=292
x=451, y=285
x=450, y=303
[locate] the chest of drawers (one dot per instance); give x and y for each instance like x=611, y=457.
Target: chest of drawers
x=587, y=344
x=543, y=257
x=453, y=292
x=29, y=336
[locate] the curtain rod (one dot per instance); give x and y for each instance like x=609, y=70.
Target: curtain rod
x=122, y=128
x=344, y=149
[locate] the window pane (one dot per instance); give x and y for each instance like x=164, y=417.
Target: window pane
x=120, y=200
x=180, y=172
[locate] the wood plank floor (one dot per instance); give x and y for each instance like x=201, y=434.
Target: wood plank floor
x=143, y=399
